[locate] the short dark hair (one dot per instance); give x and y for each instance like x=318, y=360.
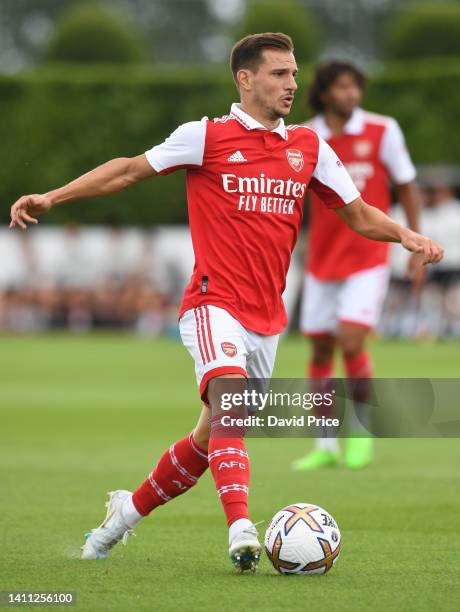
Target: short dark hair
x=325, y=75
x=247, y=52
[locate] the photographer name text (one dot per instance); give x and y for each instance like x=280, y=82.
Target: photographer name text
x=274, y=421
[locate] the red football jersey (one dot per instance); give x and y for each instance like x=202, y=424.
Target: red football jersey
x=245, y=188
x=372, y=149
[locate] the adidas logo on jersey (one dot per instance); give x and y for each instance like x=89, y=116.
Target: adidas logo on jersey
x=237, y=157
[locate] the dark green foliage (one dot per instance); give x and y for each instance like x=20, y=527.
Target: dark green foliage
x=93, y=33
x=424, y=96
x=289, y=17
x=424, y=31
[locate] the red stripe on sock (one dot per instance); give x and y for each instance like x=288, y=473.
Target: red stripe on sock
x=229, y=465
x=220, y=430
x=178, y=469
x=202, y=452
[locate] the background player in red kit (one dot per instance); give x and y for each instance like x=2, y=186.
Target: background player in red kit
x=346, y=276
x=247, y=174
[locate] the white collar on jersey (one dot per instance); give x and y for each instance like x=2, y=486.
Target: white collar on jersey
x=354, y=125
x=251, y=124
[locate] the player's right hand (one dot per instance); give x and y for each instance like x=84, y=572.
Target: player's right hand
x=27, y=208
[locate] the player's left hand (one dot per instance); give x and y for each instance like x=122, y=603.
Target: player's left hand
x=427, y=249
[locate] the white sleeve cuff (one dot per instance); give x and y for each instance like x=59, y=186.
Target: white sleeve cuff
x=395, y=156
x=183, y=148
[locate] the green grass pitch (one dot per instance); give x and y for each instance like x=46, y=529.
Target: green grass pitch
x=84, y=415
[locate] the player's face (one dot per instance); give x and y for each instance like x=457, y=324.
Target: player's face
x=273, y=84
x=343, y=95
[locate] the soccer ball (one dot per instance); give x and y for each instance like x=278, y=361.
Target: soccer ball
x=302, y=539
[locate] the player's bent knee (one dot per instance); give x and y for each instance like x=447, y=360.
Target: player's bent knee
x=323, y=349
x=352, y=338
x=201, y=438
x=352, y=344
x=201, y=433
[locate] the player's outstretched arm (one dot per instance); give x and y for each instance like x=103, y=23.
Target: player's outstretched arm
x=372, y=223
x=115, y=175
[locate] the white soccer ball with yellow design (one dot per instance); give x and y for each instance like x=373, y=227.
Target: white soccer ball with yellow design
x=302, y=539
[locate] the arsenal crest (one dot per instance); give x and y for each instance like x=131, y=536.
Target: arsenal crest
x=362, y=148
x=229, y=349
x=295, y=159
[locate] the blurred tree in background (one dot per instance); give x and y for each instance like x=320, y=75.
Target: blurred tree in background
x=289, y=16
x=174, y=31
x=181, y=31
x=94, y=33
x=25, y=26
x=202, y=31
x=424, y=30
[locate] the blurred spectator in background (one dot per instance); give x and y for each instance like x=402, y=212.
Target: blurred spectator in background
x=441, y=215
x=435, y=312
x=347, y=276
x=132, y=280
x=93, y=278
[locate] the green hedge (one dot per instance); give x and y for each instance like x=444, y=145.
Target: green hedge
x=424, y=96
x=57, y=123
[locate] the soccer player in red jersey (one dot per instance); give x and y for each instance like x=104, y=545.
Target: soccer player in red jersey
x=346, y=276
x=247, y=174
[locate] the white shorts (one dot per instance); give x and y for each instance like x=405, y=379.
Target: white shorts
x=357, y=299
x=219, y=345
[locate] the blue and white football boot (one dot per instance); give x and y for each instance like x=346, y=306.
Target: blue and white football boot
x=99, y=541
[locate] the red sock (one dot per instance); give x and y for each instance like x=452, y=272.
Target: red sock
x=175, y=473
x=320, y=370
x=229, y=465
x=319, y=374
x=359, y=367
